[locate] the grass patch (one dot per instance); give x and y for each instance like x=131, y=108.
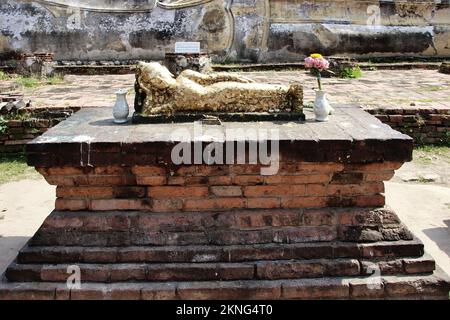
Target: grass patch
x=28, y=82
x=33, y=82
x=18, y=116
x=433, y=88
x=13, y=167
x=428, y=153
x=424, y=180
x=308, y=105
x=425, y=100
x=351, y=73
x=54, y=80
x=3, y=125
x=4, y=76
x=439, y=150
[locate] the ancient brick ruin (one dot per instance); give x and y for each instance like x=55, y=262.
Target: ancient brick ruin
x=238, y=31
x=425, y=125
x=27, y=124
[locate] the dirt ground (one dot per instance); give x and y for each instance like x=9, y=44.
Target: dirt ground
x=23, y=207
x=425, y=209
x=431, y=165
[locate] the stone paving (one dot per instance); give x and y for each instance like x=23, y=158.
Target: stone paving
x=416, y=88
x=376, y=89
x=81, y=91
x=7, y=85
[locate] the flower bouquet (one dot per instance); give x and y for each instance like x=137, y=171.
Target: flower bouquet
x=317, y=63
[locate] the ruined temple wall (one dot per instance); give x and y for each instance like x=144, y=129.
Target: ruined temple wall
x=359, y=28
x=233, y=30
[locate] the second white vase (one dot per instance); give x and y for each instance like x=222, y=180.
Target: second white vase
x=121, y=108
x=322, y=108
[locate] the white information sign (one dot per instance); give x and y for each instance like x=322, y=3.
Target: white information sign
x=187, y=47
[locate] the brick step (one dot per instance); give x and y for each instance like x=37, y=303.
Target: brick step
x=234, y=253
x=122, y=228
x=435, y=286
x=220, y=237
x=255, y=270
x=242, y=220
x=210, y=237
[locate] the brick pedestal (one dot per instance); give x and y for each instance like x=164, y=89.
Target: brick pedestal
x=36, y=64
x=140, y=227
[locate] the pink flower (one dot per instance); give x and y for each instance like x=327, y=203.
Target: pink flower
x=309, y=63
x=318, y=63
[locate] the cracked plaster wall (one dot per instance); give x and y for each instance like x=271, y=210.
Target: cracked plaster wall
x=231, y=30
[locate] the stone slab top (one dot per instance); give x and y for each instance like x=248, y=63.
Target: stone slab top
x=90, y=137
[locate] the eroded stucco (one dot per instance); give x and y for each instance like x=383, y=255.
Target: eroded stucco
x=231, y=30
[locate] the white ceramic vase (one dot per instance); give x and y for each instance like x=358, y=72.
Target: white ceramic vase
x=322, y=109
x=121, y=108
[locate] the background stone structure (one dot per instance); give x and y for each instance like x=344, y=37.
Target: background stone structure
x=238, y=30
x=28, y=124
x=424, y=125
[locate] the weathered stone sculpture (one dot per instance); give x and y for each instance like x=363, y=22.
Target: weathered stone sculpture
x=159, y=92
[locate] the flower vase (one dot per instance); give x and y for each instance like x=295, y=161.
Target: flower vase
x=322, y=108
x=121, y=108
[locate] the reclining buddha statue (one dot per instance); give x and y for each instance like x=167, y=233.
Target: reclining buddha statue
x=159, y=92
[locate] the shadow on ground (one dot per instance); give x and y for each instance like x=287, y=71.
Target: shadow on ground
x=9, y=246
x=440, y=236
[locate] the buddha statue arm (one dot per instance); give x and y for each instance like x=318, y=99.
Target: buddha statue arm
x=206, y=79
